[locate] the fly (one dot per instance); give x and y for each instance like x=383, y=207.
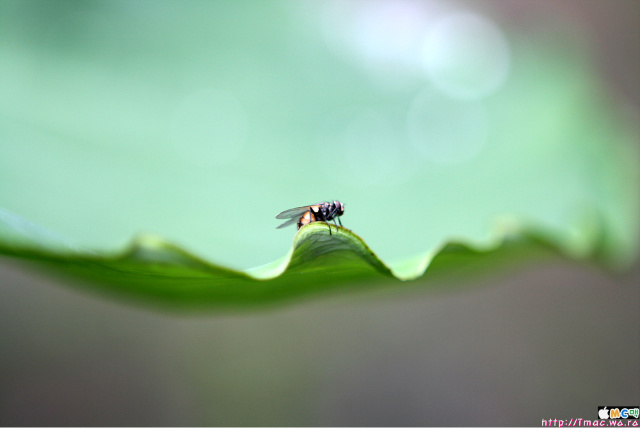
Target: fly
x=323, y=211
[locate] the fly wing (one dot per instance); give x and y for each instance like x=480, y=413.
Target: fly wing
x=288, y=223
x=293, y=212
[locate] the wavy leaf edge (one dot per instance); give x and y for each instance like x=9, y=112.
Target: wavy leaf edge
x=153, y=249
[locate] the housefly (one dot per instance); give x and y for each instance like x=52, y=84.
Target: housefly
x=323, y=211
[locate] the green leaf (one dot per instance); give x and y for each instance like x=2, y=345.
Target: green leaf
x=153, y=271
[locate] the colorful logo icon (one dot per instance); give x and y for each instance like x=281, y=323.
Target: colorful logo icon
x=618, y=412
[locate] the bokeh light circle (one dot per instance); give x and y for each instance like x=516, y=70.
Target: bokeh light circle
x=466, y=55
x=445, y=130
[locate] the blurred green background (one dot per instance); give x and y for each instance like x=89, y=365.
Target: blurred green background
x=200, y=121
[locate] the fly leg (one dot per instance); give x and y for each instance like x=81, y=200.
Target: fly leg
x=334, y=217
x=329, y=226
x=331, y=215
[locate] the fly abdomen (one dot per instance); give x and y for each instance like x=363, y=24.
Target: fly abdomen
x=306, y=218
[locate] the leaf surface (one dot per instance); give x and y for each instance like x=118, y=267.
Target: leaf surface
x=156, y=272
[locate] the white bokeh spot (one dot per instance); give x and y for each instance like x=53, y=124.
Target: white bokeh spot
x=466, y=55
